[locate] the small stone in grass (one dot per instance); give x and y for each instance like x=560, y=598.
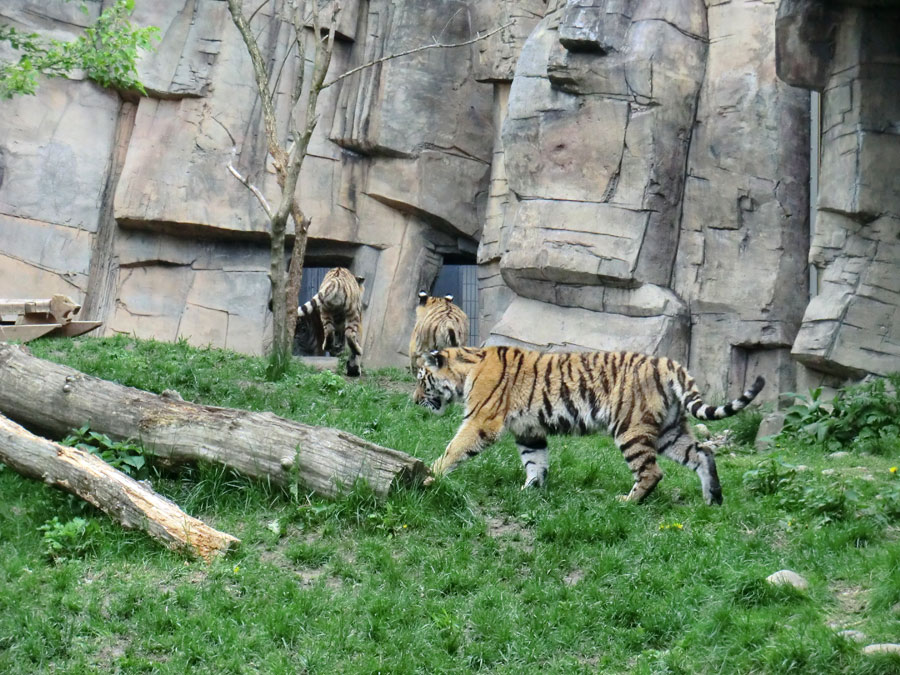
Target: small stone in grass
x=789, y=578
x=882, y=648
x=854, y=635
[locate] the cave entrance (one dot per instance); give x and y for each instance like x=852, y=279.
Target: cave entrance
x=459, y=277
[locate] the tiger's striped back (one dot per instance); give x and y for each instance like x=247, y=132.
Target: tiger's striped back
x=641, y=400
x=339, y=302
x=439, y=324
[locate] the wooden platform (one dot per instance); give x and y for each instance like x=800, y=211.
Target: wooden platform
x=22, y=320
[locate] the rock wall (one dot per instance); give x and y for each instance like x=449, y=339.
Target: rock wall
x=850, y=53
x=137, y=197
x=631, y=174
x=638, y=213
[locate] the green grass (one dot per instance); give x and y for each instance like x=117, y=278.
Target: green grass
x=472, y=574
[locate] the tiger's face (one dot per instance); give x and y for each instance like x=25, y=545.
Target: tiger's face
x=437, y=384
x=432, y=392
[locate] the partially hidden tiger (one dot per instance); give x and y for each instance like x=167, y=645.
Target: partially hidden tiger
x=439, y=324
x=339, y=302
x=640, y=399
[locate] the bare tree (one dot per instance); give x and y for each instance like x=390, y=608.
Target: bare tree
x=288, y=159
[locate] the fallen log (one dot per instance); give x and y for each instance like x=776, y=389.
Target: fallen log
x=57, y=398
x=121, y=497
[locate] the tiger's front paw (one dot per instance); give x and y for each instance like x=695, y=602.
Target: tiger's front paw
x=428, y=481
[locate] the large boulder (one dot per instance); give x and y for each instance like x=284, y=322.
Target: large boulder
x=852, y=325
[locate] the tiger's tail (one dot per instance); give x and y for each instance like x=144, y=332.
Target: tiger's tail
x=308, y=308
x=693, y=403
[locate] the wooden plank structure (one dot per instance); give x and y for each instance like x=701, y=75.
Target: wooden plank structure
x=25, y=320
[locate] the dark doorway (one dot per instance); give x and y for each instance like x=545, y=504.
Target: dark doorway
x=461, y=281
x=309, y=335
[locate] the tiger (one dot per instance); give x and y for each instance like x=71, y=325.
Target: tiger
x=439, y=324
x=339, y=301
x=640, y=399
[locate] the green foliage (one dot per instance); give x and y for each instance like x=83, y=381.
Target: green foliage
x=126, y=456
x=866, y=416
x=744, y=427
x=771, y=476
x=279, y=364
x=67, y=540
x=484, y=576
x=107, y=52
x=820, y=498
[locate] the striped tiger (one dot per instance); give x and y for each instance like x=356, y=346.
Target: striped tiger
x=339, y=301
x=640, y=399
x=439, y=324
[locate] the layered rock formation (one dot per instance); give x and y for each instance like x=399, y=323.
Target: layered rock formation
x=639, y=216
x=631, y=173
x=850, y=53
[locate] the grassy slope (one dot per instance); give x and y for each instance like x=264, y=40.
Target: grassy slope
x=470, y=574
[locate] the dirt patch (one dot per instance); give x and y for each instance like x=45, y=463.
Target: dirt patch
x=573, y=577
x=391, y=385
x=109, y=654
x=306, y=575
x=852, y=602
x=502, y=527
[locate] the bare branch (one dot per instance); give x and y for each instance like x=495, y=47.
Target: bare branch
x=436, y=45
x=256, y=11
x=255, y=190
x=287, y=55
x=261, y=76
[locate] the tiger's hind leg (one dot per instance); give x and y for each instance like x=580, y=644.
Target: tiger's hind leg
x=533, y=453
x=355, y=351
x=677, y=442
x=639, y=449
x=328, y=329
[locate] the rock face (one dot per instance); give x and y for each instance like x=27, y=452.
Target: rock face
x=852, y=325
x=629, y=174
x=138, y=199
x=634, y=200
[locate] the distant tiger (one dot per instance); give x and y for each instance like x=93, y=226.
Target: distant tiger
x=640, y=399
x=439, y=324
x=339, y=301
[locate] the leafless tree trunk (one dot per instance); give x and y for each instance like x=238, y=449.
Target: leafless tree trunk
x=288, y=160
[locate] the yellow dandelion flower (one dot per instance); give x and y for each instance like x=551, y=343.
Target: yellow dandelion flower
x=893, y=469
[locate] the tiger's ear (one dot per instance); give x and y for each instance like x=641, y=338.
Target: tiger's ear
x=448, y=297
x=423, y=297
x=434, y=359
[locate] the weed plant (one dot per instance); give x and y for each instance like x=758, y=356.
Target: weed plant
x=470, y=575
x=864, y=416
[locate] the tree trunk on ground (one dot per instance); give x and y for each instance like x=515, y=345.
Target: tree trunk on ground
x=121, y=497
x=262, y=445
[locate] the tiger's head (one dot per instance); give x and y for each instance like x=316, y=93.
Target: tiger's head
x=442, y=377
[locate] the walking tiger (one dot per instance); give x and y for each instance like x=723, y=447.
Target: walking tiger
x=339, y=301
x=439, y=324
x=640, y=399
